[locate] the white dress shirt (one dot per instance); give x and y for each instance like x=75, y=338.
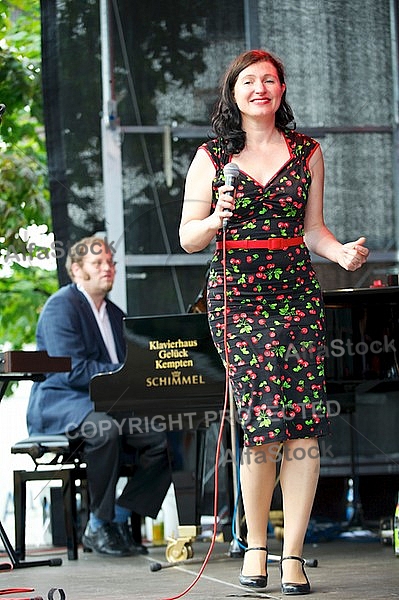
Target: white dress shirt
x=104, y=325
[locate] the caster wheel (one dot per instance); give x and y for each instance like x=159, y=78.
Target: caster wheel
x=176, y=552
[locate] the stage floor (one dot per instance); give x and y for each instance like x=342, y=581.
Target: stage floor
x=346, y=570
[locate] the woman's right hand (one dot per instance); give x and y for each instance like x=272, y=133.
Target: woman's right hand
x=199, y=223
x=225, y=204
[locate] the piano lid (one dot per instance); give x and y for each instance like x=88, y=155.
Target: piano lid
x=172, y=368
x=371, y=296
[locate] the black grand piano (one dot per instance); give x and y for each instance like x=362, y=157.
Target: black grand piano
x=174, y=380
x=362, y=375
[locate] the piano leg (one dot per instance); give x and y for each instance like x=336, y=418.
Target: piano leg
x=193, y=456
x=183, y=447
x=347, y=403
x=356, y=519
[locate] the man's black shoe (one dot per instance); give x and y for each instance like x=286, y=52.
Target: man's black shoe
x=105, y=540
x=126, y=534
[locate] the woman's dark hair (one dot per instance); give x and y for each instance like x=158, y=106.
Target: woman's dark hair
x=226, y=118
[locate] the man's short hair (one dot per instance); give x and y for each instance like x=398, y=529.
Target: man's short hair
x=84, y=247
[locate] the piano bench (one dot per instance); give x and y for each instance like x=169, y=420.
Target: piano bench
x=56, y=457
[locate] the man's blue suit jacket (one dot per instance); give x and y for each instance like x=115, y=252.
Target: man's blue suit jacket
x=68, y=327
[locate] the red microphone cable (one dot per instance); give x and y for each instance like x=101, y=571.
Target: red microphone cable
x=219, y=440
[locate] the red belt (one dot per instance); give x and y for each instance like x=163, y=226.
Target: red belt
x=270, y=244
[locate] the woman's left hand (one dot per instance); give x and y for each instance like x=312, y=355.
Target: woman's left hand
x=353, y=254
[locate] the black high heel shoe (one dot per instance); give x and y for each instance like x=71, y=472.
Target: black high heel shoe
x=254, y=581
x=294, y=589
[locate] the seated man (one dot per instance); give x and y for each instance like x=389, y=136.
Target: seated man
x=79, y=321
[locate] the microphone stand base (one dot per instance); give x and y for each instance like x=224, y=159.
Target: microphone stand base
x=235, y=550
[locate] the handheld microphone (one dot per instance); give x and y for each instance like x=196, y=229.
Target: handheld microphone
x=230, y=172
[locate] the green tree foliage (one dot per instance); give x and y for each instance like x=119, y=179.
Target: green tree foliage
x=24, y=195
x=21, y=299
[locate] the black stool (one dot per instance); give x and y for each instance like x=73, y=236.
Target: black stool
x=56, y=457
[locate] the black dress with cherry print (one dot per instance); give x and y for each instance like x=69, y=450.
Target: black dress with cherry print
x=275, y=312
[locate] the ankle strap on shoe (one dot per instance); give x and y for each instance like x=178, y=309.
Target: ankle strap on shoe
x=264, y=548
x=301, y=560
